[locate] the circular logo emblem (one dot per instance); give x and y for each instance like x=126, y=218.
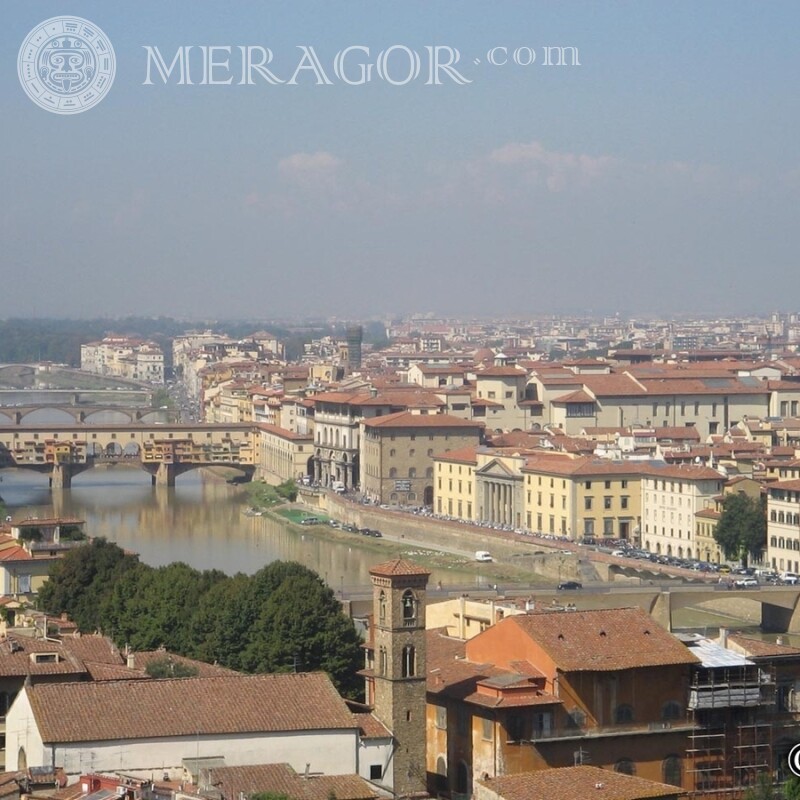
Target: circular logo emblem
x=66, y=65
x=794, y=760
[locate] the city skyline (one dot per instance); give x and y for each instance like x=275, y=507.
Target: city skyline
x=659, y=177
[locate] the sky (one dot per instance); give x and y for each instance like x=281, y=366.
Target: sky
x=660, y=174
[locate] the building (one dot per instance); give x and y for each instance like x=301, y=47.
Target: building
x=783, y=525
x=544, y=690
x=454, y=483
x=397, y=452
x=570, y=783
x=397, y=668
x=281, y=455
x=122, y=357
x=672, y=496
x=136, y=726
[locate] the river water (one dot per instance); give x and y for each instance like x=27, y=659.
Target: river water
x=199, y=522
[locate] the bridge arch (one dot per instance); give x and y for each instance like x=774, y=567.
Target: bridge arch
x=108, y=416
x=48, y=416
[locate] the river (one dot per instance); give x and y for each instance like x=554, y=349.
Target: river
x=199, y=522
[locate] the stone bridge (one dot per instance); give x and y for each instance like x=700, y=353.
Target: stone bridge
x=89, y=414
x=163, y=450
x=780, y=610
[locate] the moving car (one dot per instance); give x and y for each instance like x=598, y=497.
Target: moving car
x=483, y=555
x=570, y=585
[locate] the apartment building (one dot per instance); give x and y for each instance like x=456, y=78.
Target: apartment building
x=783, y=525
x=672, y=497
x=397, y=453
x=454, y=483
x=122, y=357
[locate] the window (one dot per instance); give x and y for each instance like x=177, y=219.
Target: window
x=576, y=718
x=409, y=609
x=608, y=484
x=393, y=472
x=382, y=607
x=622, y=715
x=607, y=502
x=671, y=770
x=487, y=729
x=382, y=661
x=515, y=727
x=624, y=502
x=588, y=484
x=412, y=472
x=441, y=718
x=671, y=710
x=624, y=484
x=625, y=766
x=409, y=662
x=608, y=527
x=375, y=772
x=392, y=453
x=587, y=503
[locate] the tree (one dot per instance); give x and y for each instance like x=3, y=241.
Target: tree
x=742, y=527
x=299, y=625
x=80, y=582
x=168, y=667
x=762, y=789
x=791, y=789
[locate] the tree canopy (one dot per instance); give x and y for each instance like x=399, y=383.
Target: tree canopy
x=282, y=619
x=742, y=528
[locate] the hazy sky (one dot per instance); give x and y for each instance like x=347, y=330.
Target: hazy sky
x=660, y=175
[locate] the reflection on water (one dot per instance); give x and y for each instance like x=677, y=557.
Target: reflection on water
x=198, y=522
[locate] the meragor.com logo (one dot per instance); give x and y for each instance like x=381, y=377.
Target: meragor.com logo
x=66, y=65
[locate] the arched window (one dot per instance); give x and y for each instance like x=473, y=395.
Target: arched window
x=429, y=472
x=623, y=714
x=773, y=515
x=409, y=608
x=441, y=774
x=412, y=472
x=382, y=607
x=671, y=710
x=625, y=766
x=671, y=770
x=22, y=760
x=773, y=541
x=393, y=472
x=392, y=453
x=409, y=664
x=383, y=662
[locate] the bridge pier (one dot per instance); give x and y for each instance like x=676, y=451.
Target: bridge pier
x=661, y=610
x=779, y=619
x=61, y=476
x=164, y=475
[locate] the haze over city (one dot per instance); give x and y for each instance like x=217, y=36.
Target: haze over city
x=659, y=175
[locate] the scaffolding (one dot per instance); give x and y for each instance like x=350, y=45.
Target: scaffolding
x=732, y=710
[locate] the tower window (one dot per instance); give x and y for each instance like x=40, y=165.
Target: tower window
x=383, y=661
x=409, y=663
x=409, y=609
x=382, y=607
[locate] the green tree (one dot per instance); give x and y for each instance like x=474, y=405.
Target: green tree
x=300, y=625
x=168, y=667
x=742, y=528
x=287, y=490
x=80, y=582
x=763, y=788
x=791, y=789
x=148, y=607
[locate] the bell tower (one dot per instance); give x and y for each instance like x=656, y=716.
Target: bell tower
x=398, y=589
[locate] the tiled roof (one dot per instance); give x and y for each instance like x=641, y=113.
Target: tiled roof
x=372, y=727
x=405, y=419
x=17, y=658
x=501, y=372
x=758, y=648
x=464, y=455
x=281, y=779
x=142, y=659
x=282, y=432
x=569, y=783
x=602, y=640
x=117, y=710
x=398, y=566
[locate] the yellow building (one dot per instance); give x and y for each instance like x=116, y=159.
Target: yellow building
x=707, y=518
x=454, y=483
x=282, y=455
x=583, y=496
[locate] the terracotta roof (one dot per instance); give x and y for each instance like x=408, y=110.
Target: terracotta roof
x=398, y=566
x=501, y=372
x=142, y=659
x=281, y=779
x=405, y=419
x=464, y=455
x=569, y=783
x=283, y=433
x=372, y=727
x=602, y=640
x=118, y=710
x=578, y=396
x=759, y=648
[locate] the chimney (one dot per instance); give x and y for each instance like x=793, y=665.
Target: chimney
x=723, y=637
x=780, y=640
x=130, y=660
x=308, y=770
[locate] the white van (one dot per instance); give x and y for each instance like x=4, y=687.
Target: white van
x=483, y=555
x=790, y=577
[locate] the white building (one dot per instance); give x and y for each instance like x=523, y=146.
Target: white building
x=121, y=357
x=783, y=526
x=145, y=726
x=671, y=496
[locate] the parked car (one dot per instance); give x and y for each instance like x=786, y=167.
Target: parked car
x=743, y=583
x=309, y=521
x=569, y=586
x=483, y=555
